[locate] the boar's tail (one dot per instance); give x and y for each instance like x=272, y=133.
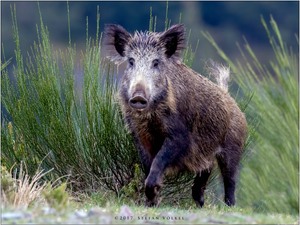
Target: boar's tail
x=220, y=73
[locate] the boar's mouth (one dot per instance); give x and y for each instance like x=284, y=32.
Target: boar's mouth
x=138, y=102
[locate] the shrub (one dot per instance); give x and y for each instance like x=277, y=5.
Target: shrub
x=49, y=122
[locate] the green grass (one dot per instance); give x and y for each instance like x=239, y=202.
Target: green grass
x=81, y=135
x=57, y=126
x=270, y=175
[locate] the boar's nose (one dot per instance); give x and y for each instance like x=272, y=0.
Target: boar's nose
x=138, y=101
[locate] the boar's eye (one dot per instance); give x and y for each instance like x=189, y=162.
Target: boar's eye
x=155, y=63
x=131, y=61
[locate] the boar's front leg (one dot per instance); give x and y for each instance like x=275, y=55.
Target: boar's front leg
x=145, y=159
x=169, y=156
x=144, y=155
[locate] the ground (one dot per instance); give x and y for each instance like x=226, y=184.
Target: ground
x=124, y=214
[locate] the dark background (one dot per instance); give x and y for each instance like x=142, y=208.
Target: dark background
x=227, y=22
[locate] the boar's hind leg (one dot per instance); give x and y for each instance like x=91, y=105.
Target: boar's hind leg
x=228, y=161
x=199, y=186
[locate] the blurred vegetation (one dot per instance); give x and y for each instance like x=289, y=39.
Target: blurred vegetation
x=80, y=135
x=56, y=197
x=53, y=121
x=270, y=176
x=227, y=21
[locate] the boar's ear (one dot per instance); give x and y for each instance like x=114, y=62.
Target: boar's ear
x=115, y=40
x=174, y=40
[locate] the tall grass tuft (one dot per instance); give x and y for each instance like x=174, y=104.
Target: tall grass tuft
x=270, y=176
x=50, y=122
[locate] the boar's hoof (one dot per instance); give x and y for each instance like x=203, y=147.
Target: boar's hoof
x=152, y=203
x=151, y=192
x=200, y=203
x=198, y=198
x=230, y=201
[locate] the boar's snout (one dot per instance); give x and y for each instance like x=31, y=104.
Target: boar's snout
x=138, y=101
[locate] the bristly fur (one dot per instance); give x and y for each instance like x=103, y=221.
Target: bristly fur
x=116, y=36
x=220, y=73
x=179, y=119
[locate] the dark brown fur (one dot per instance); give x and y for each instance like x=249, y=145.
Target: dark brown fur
x=188, y=121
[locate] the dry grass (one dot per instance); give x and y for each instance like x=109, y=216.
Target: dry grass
x=21, y=190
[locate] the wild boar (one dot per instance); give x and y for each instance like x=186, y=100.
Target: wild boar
x=179, y=119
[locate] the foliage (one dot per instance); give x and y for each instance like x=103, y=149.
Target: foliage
x=270, y=176
x=135, y=189
x=49, y=122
